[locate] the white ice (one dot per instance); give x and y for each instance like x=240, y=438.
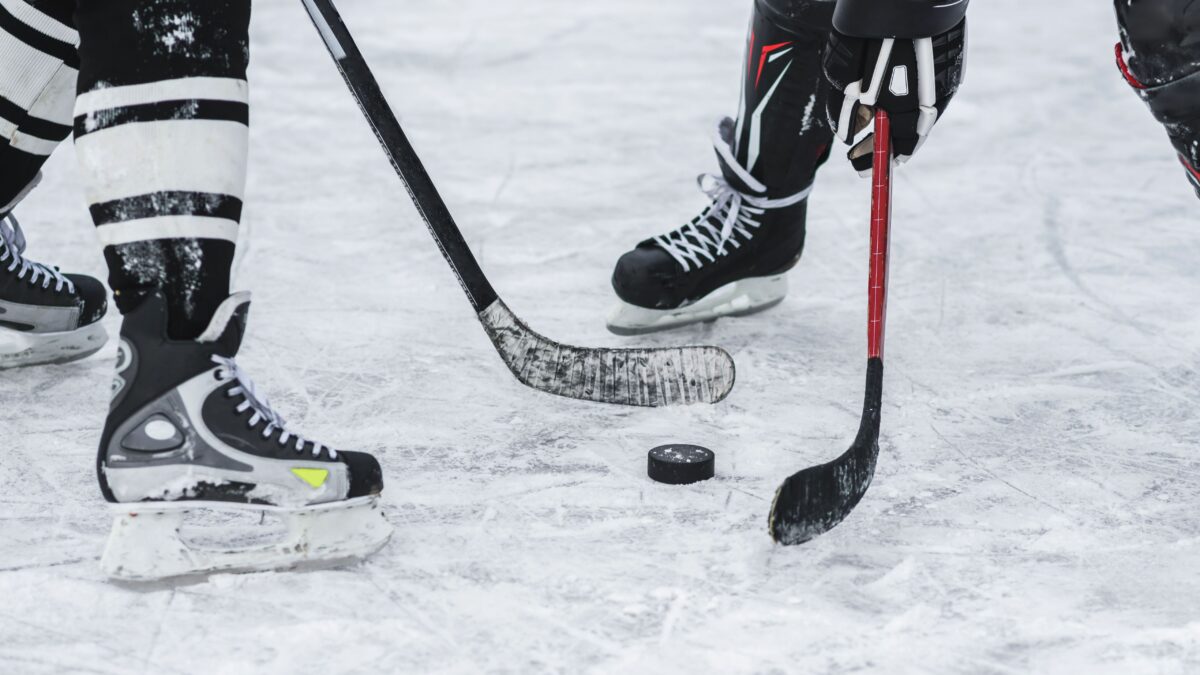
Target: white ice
x=1035, y=509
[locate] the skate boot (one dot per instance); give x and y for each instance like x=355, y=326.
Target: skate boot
x=45, y=316
x=731, y=260
x=189, y=432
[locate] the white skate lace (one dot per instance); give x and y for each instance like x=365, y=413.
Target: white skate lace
x=13, y=240
x=229, y=371
x=739, y=214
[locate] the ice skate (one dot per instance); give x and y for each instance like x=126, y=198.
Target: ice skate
x=189, y=435
x=45, y=316
x=731, y=260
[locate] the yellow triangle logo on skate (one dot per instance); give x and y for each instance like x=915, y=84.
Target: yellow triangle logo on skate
x=314, y=477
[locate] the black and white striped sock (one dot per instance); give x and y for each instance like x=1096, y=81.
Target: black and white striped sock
x=161, y=127
x=38, y=70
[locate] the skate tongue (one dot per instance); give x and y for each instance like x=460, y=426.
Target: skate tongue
x=228, y=324
x=11, y=234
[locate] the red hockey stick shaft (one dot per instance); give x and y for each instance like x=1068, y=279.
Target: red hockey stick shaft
x=881, y=220
x=815, y=500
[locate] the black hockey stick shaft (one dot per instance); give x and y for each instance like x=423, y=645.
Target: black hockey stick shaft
x=424, y=193
x=650, y=377
x=817, y=499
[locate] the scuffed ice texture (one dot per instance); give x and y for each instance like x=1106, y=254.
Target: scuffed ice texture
x=638, y=377
x=1035, y=509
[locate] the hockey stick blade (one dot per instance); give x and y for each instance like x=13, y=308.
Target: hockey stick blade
x=636, y=377
x=818, y=499
x=639, y=377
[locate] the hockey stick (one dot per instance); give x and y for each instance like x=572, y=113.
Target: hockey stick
x=817, y=499
x=642, y=377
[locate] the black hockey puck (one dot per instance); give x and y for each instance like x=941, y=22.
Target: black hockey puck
x=681, y=464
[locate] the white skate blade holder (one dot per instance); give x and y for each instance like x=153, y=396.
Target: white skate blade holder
x=738, y=298
x=148, y=541
x=20, y=349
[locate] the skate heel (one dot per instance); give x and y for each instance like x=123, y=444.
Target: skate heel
x=145, y=545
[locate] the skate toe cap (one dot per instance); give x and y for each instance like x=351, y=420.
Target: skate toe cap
x=94, y=296
x=366, y=476
x=642, y=277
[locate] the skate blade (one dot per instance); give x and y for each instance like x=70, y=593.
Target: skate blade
x=739, y=298
x=151, y=541
x=19, y=350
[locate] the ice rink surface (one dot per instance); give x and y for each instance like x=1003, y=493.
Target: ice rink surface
x=1035, y=509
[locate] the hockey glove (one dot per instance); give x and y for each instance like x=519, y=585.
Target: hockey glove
x=913, y=80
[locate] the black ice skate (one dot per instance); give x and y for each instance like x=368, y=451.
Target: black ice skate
x=45, y=316
x=188, y=431
x=731, y=260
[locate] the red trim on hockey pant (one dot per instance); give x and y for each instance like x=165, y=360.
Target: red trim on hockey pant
x=1133, y=81
x=762, y=60
x=881, y=220
x=1195, y=173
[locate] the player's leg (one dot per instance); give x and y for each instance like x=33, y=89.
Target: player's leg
x=45, y=316
x=732, y=258
x=161, y=126
x=1160, y=56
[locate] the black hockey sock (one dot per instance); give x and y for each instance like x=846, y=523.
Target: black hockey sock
x=782, y=134
x=161, y=134
x=1159, y=56
x=38, y=66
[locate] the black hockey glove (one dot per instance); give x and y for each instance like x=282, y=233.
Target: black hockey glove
x=913, y=80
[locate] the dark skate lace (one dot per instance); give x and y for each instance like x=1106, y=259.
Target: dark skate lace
x=739, y=215
x=229, y=371
x=12, y=246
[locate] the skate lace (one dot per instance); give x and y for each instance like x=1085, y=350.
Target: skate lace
x=229, y=371
x=739, y=215
x=12, y=246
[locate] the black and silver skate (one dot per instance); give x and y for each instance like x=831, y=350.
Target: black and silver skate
x=45, y=316
x=188, y=430
x=731, y=260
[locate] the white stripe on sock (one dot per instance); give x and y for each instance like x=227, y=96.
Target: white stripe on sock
x=40, y=22
x=172, y=155
x=183, y=89
x=32, y=144
x=57, y=100
x=27, y=71
x=167, y=227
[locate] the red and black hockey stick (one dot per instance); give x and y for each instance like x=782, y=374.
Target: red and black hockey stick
x=641, y=377
x=817, y=499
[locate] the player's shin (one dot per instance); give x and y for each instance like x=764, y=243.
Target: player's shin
x=733, y=257
x=45, y=316
x=162, y=147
